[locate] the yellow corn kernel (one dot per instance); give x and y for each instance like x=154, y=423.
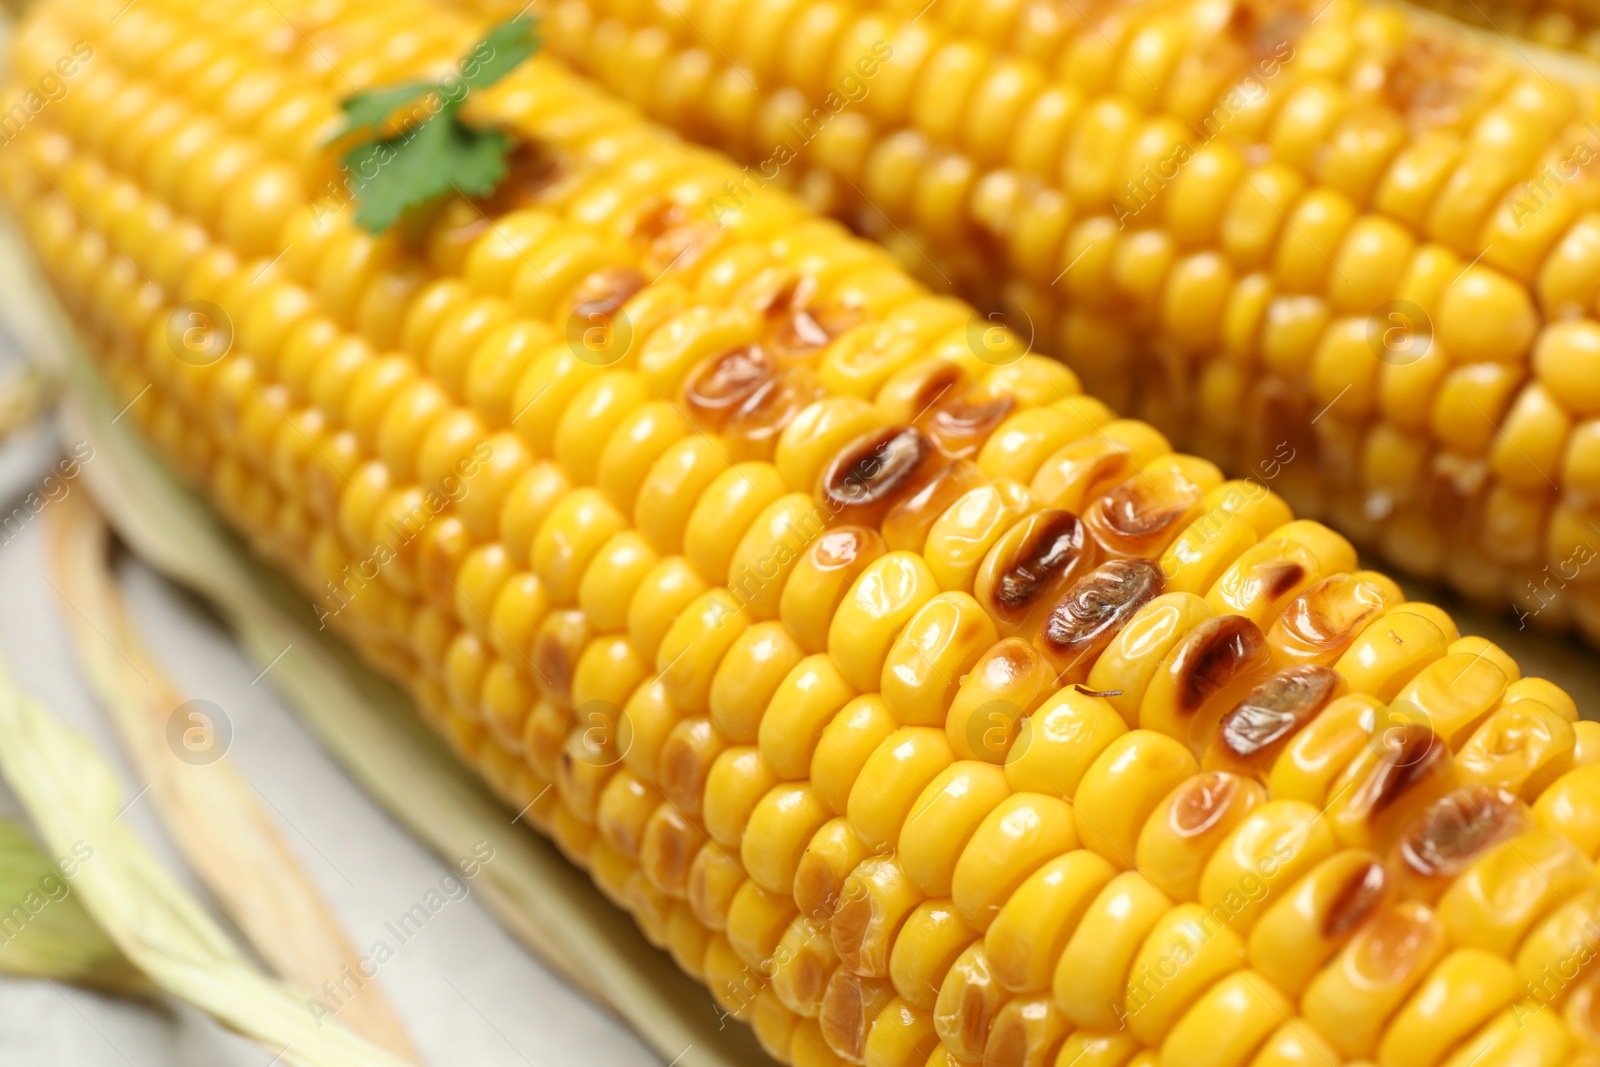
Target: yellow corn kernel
x=1091, y=977
x=1184, y=831
x=626, y=806
x=662, y=596
x=668, y=849
x=1088, y=1048
x=756, y=922
x=1322, y=751
x=1021, y=833
x=1571, y=806
x=748, y=676
x=1123, y=671
x=692, y=649
x=1122, y=787
x=850, y=1006
x=1007, y=682
x=846, y=745
x=874, y=902
x=779, y=829
x=935, y=650
x=1060, y=741
x=891, y=781
x=1352, y=999
x=734, y=784
x=801, y=965
x=1508, y=889
x=833, y=852
x=883, y=598
x=726, y=510
x=1227, y=1024
x=805, y=703
x=1520, y=1034
x=766, y=556
x=1390, y=651
x=820, y=581
x=926, y=947
x=675, y=484
x=1188, y=950
x=1033, y=927
x=943, y=819
x=1465, y=990
x=687, y=755
x=969, y=998
x=1523, y=747
x=1266, y=854
x=608, y=585
x=817, y=434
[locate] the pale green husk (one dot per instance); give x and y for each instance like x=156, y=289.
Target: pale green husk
x=74, y=797
x=45, y=932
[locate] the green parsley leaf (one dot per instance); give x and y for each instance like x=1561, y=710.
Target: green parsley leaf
x=498, y=54
x=441, y=154
x=371, y=109
x=441, y=157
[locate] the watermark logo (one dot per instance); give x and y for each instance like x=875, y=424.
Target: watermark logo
x=1399, y=333
x=599, y=338
x=199, y=333
x=1000, y=333
x=606, y=734
x=199, y=733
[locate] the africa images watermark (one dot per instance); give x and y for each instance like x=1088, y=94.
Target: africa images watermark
x=404, y=928
x=1250, y=89
x=53, y=887
x=851, y=89
x=52, y=87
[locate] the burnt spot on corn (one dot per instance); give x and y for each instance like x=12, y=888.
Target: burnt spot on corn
x=1054, y=544
x=1330, y=613
x=1364, y=891
x=1202, y=802
x=1274, y=711
x=1213, y=654
x=960, y=427
x=1456, y=829
x=1279, y=576
x=1413, y=753
x=720, y=385
x=1137, y=518
x=1434, y=79
x=602, y=293
x=1098, y=605
x=877, y=469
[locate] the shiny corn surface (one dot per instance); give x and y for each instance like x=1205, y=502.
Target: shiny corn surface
x=1342, y=250
x=924, y=710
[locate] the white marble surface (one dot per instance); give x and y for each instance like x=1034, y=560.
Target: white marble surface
x=470, y=996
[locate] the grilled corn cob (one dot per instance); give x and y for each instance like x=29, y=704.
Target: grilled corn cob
x=1341, y=253
x=924, y=710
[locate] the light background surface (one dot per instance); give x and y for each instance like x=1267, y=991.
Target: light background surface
x=468, y=993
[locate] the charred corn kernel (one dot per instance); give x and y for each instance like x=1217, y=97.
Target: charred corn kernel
x=1183, y=833
x=1405, y=768
x=928, y=944
x=1092, y=612
x=1300, y=930
x=1462, y=992
x=1060, y=741
x=1007, y=682
x=891, y=781
x=1022, y=832
x=935, y=650
x=1030, y=567
x=1124, y=669
x=1091, y=976
x=1122, y=787
x=1205, y=676
x=817, y=434
x=1320, y=623
x=960, y=539
x=801, y=966
x=820, y=581
x=1352, y=999
x=805, y=703
x=1033, y=927
x=832, y=853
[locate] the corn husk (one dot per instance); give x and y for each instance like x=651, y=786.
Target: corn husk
x=75, y=800
x=45, y=931
x=363, y=719
x=209, y=809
